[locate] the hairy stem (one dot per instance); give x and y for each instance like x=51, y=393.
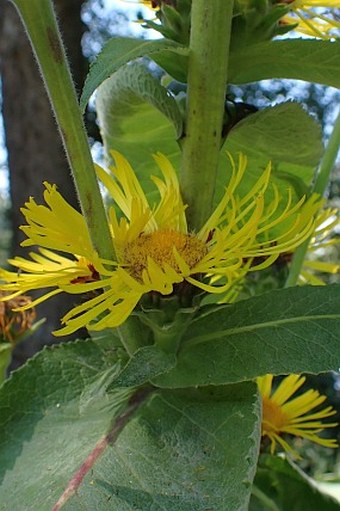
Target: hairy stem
x=320, y=185
x=40, y=22
x=110, y=438
x=207, y=77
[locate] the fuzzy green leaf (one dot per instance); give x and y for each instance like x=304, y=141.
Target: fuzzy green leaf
x=119, y=51
x=145, y=364
x=284, y=135
x=183, y=450
x=286, y=331
x=186, y=450
x=288, y=488
x=138, y=118
x=300, y=59
x=52, y=412
x=174, y=63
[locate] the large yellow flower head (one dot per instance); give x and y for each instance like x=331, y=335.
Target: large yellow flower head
x=285, y=414
x=313, y=17
x=155, y=252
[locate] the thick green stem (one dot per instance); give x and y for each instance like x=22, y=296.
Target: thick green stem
x=207, y=77
x=40, y=22
x=320, y=185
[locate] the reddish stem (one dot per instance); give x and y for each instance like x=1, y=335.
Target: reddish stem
x=118, y=425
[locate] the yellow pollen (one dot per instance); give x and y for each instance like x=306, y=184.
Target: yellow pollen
x=274, y=419
x=159, y=246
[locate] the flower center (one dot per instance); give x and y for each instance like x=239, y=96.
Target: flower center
x=274, y=419
x=160, y=245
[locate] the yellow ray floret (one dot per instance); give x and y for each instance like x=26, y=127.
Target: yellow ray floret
x=155, y=251
x=324, y=237
x=313, y=17
x=285, y=414
x=57, y=225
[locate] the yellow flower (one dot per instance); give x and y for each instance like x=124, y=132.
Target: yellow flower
x=285, y=414
x=154, y=249
x=323, y=238
x=313, y=17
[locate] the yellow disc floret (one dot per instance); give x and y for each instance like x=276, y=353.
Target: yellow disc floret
x=161, y=246
x=274, y=419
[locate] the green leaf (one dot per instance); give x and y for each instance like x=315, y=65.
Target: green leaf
x=138, y=118
x=285, y=135
x=300, y=59
x=286, y=331
x=175, y=64
x=119, y=51
x=145, y=364
x=186, y=450
x=52, y=412
x=134, y=84
x=289, y=488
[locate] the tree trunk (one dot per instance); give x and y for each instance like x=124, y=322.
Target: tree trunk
x=35, y=152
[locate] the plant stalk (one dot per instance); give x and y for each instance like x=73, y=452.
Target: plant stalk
x=320, y=186
x=40, y=22
x=135, y=402
x=207, y=78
